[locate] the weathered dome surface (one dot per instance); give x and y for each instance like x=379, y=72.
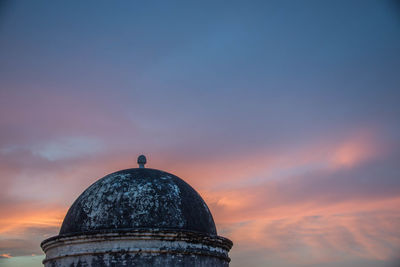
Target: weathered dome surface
x=139, y=198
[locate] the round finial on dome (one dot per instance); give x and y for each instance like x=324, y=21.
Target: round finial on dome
x=141, y=160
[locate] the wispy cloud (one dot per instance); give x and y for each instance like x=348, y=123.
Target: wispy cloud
x=312, y=200
x=284, y=118
x=60, y=149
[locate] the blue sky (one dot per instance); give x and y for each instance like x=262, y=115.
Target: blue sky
x=282, y=114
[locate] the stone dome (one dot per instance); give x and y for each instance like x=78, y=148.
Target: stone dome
x=138, y=199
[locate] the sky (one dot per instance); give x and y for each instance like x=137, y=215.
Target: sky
x=283, y=115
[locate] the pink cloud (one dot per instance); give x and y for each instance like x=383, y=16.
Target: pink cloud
x=291, y=202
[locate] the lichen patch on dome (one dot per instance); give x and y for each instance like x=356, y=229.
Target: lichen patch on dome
x=137, y=199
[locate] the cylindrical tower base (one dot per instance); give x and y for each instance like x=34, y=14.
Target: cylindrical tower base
x=137, y=248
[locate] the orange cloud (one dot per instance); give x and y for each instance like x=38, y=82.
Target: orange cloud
x=15, y=223
x=251, y=199
x=357, y=149
x=261, y=166
x=360, y=228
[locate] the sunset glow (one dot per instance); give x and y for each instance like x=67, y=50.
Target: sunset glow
x=283, y=115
